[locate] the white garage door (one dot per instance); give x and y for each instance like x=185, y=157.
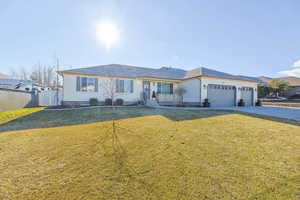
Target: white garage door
x=221, y=95
x=247, y=95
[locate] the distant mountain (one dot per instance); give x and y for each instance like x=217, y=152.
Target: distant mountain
x=264, y=80
x=291, y=80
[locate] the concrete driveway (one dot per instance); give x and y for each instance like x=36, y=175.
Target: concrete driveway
x=288, y=113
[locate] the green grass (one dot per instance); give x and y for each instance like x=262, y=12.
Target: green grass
x=165, y=154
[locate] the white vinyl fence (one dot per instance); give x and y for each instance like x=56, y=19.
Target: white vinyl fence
x=50, y=98
x=16, y=99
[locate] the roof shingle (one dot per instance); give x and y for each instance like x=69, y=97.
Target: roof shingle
x=164, y=72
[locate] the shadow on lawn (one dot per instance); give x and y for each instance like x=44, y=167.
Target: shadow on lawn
x=46, y=119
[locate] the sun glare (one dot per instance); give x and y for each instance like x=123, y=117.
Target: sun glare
x=108, y=34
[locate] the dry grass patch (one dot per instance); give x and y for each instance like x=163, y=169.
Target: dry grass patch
x=231, y=156
x=15, y=114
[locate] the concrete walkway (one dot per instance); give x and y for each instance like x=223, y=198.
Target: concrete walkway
x=287, y=113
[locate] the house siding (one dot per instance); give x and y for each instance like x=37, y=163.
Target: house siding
x=293, y=90
x=70, y=93
x=196, y=89
x=192, y=94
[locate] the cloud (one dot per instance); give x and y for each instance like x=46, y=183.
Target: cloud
x=296, y=64
x=292, y=72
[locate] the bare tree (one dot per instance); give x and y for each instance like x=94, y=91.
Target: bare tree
x=39, y=73
x=109, y=87
x=44, y=75
x=13, y=73
x=24, y=74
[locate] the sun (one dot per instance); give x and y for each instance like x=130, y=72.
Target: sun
x=108, y=33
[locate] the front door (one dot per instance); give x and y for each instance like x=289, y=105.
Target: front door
x=146, y=90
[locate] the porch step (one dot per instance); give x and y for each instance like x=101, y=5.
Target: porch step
x=151, y=103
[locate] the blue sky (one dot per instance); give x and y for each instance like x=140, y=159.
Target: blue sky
x=241, y=37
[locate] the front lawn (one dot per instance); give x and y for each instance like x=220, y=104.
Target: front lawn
x=53, y=118
x=164, y=154
x=8, y=116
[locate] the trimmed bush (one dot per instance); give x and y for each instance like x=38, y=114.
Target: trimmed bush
x=241, y=103
x=206, y=103
x=108, y=102
x=94, y=102
x=119, y=102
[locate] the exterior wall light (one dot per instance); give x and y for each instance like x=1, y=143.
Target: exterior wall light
x=204, y=86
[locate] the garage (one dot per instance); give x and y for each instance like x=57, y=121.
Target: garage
x=247, y=95
x=221, y=95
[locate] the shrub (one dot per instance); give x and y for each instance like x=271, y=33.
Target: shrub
x=258, y=103
x=108, y=102
x=93, y=102
x=241, y=103
x=119, y=102
x=206, y=103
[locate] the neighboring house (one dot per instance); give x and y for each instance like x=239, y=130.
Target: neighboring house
x=23, y=85
x=134, y=84
x=3, y=75
x=294, y=86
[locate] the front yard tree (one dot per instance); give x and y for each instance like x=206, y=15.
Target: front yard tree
x=278, y=86
x=109, y=87
x=263, y=91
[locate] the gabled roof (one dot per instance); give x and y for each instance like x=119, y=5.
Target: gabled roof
x=291, y=80
x=118, y=70
x=202, y=71
x=166, y=72
x=112, y=70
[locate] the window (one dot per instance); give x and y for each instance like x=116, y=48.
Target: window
x=124, y=86
x=165, y=88
x=87, y=84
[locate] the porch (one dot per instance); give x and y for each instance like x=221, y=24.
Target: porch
x=163, y=92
